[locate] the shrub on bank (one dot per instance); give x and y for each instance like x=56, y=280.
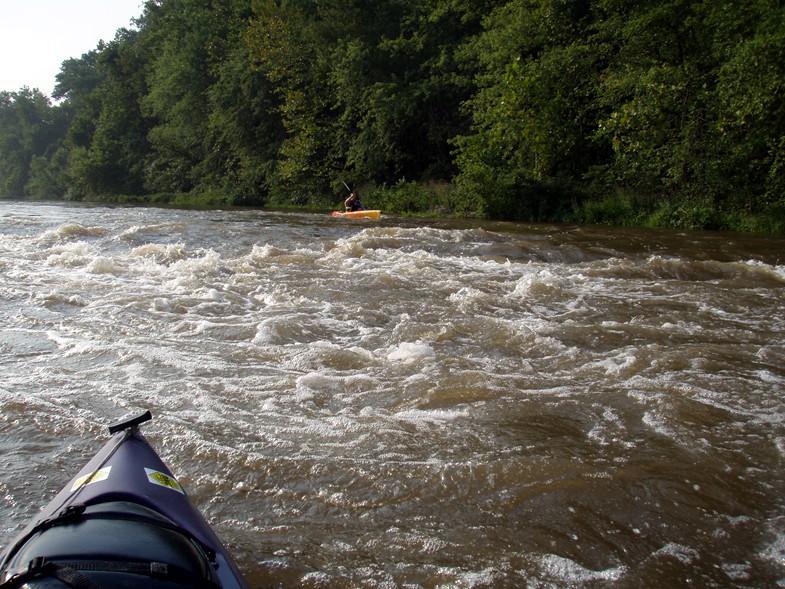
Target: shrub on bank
x=412, y=198
x=689, y=214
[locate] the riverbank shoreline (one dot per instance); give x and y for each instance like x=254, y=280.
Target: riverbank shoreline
x=436, y=201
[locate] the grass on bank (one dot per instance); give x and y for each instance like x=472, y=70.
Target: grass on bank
x=690, y=214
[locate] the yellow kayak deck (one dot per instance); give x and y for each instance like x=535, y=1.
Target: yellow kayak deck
x=358, y=214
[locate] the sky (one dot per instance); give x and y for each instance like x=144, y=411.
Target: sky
x=36, y=36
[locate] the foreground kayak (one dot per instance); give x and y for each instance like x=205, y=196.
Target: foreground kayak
x=123, y=521
x=358, y=214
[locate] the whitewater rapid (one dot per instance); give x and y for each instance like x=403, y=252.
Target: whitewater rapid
x=404, y=403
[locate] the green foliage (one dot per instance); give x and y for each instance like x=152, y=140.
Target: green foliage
x=656, y=112
x=535, y=109
x=244, y=131
x=689, y=215
x=403, y=197
x=770, y=220
x=287, y=44
x=615, y=209
x=751, y=113
x=413, y=198
x=120, y=140
x=693, y=116
x=48, y=176
x=178, y=80
x=31, y=132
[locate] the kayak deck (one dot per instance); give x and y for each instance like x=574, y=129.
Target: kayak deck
x=124, y=520
x=372, y=214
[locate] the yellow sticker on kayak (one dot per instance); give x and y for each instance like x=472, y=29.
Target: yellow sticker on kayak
x=94, y=477
x=163, y=479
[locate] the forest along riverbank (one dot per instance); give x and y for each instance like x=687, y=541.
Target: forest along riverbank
x=398, y=403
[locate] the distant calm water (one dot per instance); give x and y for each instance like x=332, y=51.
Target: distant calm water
x=411, y=404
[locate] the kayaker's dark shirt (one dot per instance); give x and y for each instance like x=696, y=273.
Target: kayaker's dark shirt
x=356, y=205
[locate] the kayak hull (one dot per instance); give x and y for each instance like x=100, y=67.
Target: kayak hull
x=373, y=214
x=127, y=517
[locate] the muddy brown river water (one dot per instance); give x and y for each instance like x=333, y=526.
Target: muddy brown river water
x=414, y=404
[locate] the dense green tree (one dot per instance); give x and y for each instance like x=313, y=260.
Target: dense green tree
x=399, y=90
x=671, y=101
x=244, y=127
x=536, y=110
x=14, y=144
x=692, y=98
x=658, y=92
x=750, y=119
x=109, y=148
x=77, y=82
x=289, y=44
x=180, y=33
x=31, y=132
x=370, y=92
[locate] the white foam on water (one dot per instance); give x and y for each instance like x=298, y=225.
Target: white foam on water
x=537, y=281
x=319, y=382
x=194, y=272
x=658, y=422
x=410, y=352
x=769, y=377
x=567, y=571
x=146, y=232
x=72, y=255
x=774, y=550
x=779, y=443
x=264, y=252
x=104, y=265
x=610, y=430
x=164, y=254
x=316, y=580
x=489, y=578
x=72, y=345
x=738, y=571
x=56, y=297
x=354, y=377
x=683, y=554
x=779, y=271
x=426, y=416
x=466, y=299
x=73, y=230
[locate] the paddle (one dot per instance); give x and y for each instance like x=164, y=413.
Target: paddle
x=347, y=187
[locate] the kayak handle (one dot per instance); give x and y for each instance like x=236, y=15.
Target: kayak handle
x=136, y=421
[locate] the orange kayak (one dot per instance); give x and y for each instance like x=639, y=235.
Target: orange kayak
x=358, y=214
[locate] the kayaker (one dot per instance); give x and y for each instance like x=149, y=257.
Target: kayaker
x=353, y=203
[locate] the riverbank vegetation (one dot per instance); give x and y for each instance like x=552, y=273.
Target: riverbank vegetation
x=656, y=112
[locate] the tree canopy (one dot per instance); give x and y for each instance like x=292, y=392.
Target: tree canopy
x=666, y=112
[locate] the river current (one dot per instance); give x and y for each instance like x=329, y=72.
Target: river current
x=413, y=404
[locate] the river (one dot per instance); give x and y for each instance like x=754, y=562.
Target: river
x=413, y=404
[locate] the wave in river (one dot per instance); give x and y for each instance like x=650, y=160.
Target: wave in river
x=412, y=404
